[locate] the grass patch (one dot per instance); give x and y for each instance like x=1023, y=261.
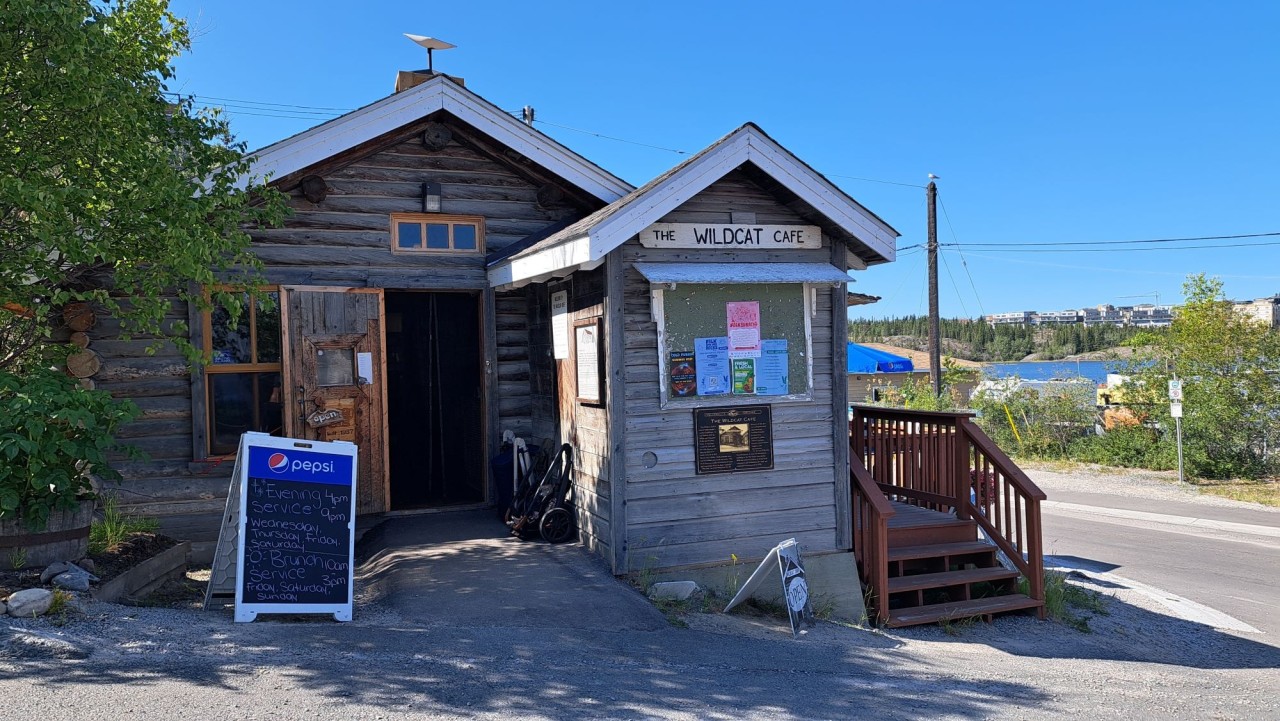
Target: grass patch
x=107, y=533
x=1063, y=601
x=1266, y=493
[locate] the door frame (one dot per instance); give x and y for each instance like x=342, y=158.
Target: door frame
x=487, y=374
x=288, y=345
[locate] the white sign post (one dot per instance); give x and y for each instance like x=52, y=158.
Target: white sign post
x=1175, y=410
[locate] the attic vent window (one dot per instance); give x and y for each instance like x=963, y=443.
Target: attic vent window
x=434, y=233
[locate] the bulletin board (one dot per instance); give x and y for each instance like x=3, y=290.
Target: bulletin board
x=697, y=310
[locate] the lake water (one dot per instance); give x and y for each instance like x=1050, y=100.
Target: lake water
x=1095, y=371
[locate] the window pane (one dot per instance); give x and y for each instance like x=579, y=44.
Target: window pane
x=230, y=343
x=437, y=236
x=335, y=367
x=464, y=237
x=409, y=235
x=267, y=322
x=242, y=402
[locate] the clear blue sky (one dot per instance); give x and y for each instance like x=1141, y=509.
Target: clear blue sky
x=1083, y=121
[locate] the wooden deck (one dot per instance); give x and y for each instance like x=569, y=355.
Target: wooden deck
x=946, y=527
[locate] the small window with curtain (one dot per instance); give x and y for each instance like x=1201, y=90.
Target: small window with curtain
x=242, y=380
x=434, y=233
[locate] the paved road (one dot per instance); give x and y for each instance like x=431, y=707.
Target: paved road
x=1229, y=559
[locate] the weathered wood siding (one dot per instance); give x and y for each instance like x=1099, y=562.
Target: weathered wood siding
x=515, y=401
x=584, y=425
x=677, y=518
x=345, y=239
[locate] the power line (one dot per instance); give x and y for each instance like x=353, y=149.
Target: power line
x=963, y=261
x=267, y=105
x=955, y=287
x=609, y=137
x=873, y=180
x=1008, y=248
x=1112, y=269
x=1125, y=242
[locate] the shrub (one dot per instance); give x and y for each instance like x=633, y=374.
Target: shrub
x=53, y=436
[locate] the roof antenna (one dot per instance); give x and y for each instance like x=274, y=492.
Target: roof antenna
x=430, y=44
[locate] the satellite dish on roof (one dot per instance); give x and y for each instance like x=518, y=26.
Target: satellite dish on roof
x=431, y=44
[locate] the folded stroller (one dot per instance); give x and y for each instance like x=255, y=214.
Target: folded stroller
x=544, y=508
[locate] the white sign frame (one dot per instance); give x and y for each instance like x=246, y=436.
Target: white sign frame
x=247, y=612
x=731, y=236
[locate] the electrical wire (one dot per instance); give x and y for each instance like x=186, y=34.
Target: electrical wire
x=963, y=262
x=1007, y=248
x=1124, y=242
x=1109, y=269
x=954, y=287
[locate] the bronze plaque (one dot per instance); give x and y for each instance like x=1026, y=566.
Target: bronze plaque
x=731, y=439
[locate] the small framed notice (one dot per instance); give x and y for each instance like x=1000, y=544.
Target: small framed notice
x=590, y=361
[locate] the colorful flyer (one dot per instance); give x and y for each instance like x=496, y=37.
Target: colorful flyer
x=711, y=363
x=744, y=328
x=771, y=369
x=744, y=376
x=683, y=376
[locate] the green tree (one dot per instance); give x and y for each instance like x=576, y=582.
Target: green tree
x=112, y=191
x=1230, y=368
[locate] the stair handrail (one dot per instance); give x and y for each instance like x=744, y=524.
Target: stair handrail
x=913, y=455
x=871, y=514
x=1003, y=498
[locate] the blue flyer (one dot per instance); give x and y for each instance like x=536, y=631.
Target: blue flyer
x=771, y=368
x=711, y=358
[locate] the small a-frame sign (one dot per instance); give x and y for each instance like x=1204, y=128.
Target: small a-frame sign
x=795, y=589
x=287, y=543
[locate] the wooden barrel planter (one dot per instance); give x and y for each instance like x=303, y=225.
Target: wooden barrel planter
x=65, y=538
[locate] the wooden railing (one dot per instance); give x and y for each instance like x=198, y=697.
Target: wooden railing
x=871, y=513
x=945, y=462
x=1006, y=505
x=912, y=455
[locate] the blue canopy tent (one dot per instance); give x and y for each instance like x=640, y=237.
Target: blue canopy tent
x=869, y=360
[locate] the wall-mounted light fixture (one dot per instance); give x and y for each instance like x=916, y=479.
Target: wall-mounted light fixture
x=430, y=197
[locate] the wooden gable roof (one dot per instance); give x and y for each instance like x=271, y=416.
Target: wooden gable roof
x=584, y=244
x=291, y=156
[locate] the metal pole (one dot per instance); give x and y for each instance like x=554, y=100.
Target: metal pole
x=1177, y=424
x=935, y=354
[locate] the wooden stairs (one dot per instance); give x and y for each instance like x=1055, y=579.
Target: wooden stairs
x=939, y=571
x=924, y=485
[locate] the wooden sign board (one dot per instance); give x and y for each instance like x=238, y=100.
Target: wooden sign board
x=795, y=587
x=295, y=529
x=590, y=361
x=732, y=438
x=731, y=236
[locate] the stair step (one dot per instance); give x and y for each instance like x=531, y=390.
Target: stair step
x=960, y=610
x=936, y=550
x=923, y=581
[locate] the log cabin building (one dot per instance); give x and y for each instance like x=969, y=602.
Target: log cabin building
x=449, y=272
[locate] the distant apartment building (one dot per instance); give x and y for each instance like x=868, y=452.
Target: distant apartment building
x=1019, y=318
x=1264, y=310
x=1145, y=316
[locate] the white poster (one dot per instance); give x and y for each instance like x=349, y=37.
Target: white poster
x=711, y=361
x=560, y=324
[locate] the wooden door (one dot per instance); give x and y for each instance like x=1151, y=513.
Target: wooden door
x=334, y=372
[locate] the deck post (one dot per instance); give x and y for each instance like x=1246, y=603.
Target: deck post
x=960, y=468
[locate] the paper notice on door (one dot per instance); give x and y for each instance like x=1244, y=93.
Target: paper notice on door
x=560, y=324
x=364, y=369
x=711, y=363
x=771, y=369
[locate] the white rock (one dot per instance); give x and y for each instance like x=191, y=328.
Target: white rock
x=672, y=590
x=28, y=603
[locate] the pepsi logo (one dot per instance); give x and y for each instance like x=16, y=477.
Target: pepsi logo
x=278, y=462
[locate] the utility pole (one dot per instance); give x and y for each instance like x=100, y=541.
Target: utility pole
x=935, y=354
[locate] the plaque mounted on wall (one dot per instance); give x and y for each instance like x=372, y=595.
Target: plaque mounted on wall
x=732, y=439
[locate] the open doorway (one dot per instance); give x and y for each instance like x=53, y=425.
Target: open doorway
x=435, y=418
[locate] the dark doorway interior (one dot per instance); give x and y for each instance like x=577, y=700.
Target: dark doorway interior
x=434, y=405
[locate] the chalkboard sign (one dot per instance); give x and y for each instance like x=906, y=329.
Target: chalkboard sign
x=297, y=517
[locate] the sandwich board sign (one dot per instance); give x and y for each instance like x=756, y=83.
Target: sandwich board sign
x=290, y=526
x=795, y=588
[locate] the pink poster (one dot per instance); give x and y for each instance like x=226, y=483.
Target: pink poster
x=744, y=328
